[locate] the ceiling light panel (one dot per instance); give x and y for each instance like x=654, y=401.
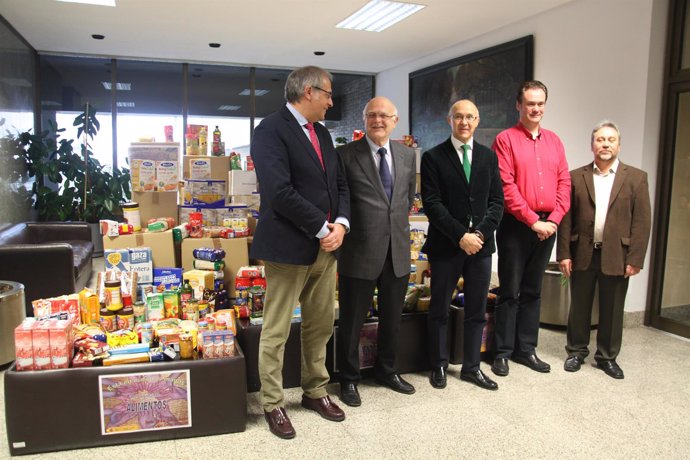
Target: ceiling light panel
x=118, y=86
x=378, y=15
x=257, y=92
x=91, y=2
x=229, y=107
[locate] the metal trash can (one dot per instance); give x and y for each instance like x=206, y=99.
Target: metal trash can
x=555, y=298
x=12, y=313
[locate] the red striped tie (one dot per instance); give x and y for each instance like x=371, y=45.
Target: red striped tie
x=315, y=142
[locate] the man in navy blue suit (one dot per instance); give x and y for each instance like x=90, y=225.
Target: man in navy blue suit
x=304, y=215
x=463, y=199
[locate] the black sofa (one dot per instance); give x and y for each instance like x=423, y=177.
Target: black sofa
x=48, y=258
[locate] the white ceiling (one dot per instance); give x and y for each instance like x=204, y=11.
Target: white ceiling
x=273, y=33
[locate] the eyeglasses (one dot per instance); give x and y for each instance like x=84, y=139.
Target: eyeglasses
x=375, y=115
x=468, y=118
x=328, y=93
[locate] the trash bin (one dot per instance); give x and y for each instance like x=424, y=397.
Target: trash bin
x=11, y=315
x=555, y=298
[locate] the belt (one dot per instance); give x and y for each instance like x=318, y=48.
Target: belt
x=597, y=245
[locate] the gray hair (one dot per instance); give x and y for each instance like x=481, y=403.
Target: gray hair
x=606, y=124
x=300, y=78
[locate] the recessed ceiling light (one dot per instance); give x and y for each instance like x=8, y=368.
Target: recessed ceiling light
x=257, y=92
x=229, y=107
x=319, y=53
x=378, y=15
x=125, y=104
x=98, y=36
x=118, y=86
x=214, y=45
x=91, y=2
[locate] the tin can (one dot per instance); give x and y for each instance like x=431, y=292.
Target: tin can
x=186, y=346
x=130, y=211
x=191, y=310
x=139, y=309
x=146, y=333
x=203, y=309
x=113, y=296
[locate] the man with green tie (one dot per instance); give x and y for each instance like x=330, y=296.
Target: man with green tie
x=463, y=199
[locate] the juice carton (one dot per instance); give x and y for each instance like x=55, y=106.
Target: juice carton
x=40, y=335
x=61, y=344
x=23, y=345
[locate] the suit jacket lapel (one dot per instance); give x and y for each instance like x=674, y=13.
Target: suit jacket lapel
x=398, y=167
x=589, y=182
x=618, y=180
x=303, y=139
x=366, y=162
x=452, y=155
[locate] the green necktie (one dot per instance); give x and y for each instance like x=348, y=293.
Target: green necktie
x=466, y=162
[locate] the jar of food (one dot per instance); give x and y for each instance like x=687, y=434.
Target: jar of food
x=125, y=318
x=130, y=211
x=113, y=296
x=139, y=310
x=107, y=320
x=186, y=346
x=146, y=333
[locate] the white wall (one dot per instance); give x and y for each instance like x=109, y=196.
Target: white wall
x=600, y=59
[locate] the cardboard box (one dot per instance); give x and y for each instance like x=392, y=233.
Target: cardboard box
x=168, y=276
x=116, y=259
x=141, y=263
x=236, y=255
x=204, y=192
x=155, y=204
x=161, y=244
x=241, y=182
x=23, y=345
x=145, y=159
x=199, y=280
x=212, y=215
x=61, y=347
x=198, y=167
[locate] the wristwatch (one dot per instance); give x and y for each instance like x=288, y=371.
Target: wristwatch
x=479, y=234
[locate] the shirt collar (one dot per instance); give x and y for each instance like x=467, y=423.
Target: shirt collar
x=527, y=132
x=300, y=118
x=457, y=143
x=612, y=169
x=375, y=147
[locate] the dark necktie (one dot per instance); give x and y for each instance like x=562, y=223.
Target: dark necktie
x=385, y=173
x=466, y=162
x=315, y=142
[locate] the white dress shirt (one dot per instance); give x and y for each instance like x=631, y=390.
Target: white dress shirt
x=603, y=183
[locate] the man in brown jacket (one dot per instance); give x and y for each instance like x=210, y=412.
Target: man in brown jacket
x=602, y=240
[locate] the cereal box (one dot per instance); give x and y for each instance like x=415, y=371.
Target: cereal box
x=143, y=175
x=200, y=280
x=141, y=263
x=116, y=259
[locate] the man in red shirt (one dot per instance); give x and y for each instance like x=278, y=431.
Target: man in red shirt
x=536, y=186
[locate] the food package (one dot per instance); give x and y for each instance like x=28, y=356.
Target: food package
x=204, y=192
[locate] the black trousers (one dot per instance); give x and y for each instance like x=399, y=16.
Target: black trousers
x=522, y=259
x=355, y=296
x=445, y=272
x=612, y=291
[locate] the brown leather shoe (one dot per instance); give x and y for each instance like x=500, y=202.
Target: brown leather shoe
x=324, y=407
x=279, y=423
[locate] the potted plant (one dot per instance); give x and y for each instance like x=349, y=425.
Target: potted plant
x=71, y=185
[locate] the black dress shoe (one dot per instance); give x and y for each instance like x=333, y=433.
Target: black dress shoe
x=612, y=369
x=350, y=395
x=438, y=377
x=573, y=363
x=533, y=362
x=500, y=367
x=396, y=383
x=479, y=378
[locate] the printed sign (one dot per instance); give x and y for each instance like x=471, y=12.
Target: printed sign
x=145, y=401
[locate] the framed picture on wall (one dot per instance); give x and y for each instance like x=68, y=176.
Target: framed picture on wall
x=490, y=78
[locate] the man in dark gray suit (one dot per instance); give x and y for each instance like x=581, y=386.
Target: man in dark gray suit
x=376, y=252
x=462, y=195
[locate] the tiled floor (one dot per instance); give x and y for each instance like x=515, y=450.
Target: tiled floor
x=556, y=415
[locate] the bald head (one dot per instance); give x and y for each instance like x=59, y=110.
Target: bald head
x=463, y=118
x=380, y=119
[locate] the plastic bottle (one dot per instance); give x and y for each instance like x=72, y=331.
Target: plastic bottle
x=216, y=142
